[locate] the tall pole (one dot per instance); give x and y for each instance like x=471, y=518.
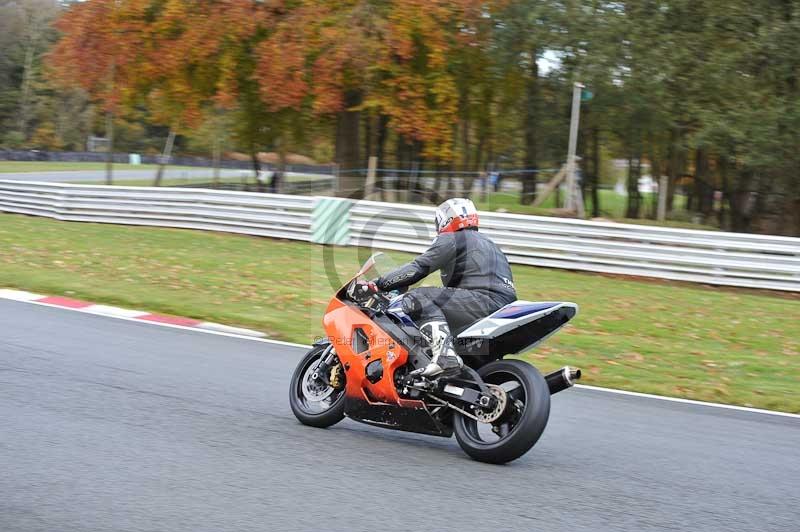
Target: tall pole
x=573, y=144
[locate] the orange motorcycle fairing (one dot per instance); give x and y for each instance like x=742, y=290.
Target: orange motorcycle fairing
x=359, y=342
x=370, y=357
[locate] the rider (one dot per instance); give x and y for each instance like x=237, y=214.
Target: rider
x=476, y=281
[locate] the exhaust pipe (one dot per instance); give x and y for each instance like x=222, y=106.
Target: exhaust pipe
x=562, y=379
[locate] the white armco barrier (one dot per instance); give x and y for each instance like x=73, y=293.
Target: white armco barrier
x=735, y=259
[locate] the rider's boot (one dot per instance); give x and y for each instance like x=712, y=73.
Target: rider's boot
x=445, y=361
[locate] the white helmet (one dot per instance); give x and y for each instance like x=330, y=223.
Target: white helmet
x=456, y=214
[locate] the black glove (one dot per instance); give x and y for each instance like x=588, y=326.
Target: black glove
x=366, y=287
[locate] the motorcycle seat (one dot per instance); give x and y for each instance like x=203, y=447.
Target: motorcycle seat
x=517, y=314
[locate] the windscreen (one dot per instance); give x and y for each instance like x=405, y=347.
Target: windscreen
x=377, y=265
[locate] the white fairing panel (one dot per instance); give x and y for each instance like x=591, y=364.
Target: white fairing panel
x=516, y=315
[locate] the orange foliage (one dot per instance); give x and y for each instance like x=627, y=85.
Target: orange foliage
x=178, y=56
x=420, y=93
x=395, y=53
x=89, y=54
x=171, y=54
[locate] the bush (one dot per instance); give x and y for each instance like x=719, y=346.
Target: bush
x=13, y=140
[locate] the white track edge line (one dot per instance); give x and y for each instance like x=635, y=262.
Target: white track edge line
x=689, y=401
x=306, y=346
x=162, y=324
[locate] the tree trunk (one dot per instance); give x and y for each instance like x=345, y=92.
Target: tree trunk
x=163, y=161
x=25, y=92
x=380, y=152
x=531, y=117
x=276, y=183
x=348, y=124
x=595, y=172
x=472, y=172
x=216, y=153
x=722, y=164
x=634, y=173
x=417, y=166
x=581, y=170
x=464, y=128
x=369, y=133
x=674, y=169
x=759, y=210
x=254, y=160
x=739, y=201
x=703, y=190
x=110, y=150
x=655, y=176
x=405, y=158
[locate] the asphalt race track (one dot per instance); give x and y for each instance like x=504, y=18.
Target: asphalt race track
x=112, y=425
x=71, y=176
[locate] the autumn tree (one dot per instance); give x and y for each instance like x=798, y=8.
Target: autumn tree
x=96, y=54
x=704, y=92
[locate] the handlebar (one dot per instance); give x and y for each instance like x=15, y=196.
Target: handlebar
x=359, y=293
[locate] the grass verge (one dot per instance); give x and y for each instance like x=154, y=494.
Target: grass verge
x=735, y=347
x=612, y=206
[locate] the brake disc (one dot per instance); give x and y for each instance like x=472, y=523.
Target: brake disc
x=490, y=416
x=313, y=388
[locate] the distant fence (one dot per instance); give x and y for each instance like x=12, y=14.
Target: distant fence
x=745, y=260
x=306, y=186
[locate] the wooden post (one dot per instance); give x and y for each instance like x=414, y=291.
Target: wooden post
x=551, y=186
x=573, y=143
x=165, y=158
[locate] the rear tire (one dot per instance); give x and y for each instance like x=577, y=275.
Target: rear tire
x=330, y=410
x=529, y=425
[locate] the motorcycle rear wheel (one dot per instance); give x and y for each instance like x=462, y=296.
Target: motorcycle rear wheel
x=312, y=402
x=524, y=421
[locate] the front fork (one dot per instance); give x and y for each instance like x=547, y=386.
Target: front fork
x=323, y=370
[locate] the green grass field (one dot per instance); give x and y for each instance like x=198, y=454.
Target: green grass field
x=612, y=206
x=682, y=340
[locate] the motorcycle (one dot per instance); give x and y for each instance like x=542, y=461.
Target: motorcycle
x=368, y=369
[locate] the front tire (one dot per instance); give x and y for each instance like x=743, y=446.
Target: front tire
x=313, y=402
x=523, y=422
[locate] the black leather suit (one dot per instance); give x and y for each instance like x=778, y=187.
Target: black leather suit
x=476, y=280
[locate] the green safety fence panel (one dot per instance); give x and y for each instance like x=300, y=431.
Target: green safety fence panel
x=330, y=221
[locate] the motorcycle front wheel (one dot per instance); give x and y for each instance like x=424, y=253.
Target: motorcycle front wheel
x=313, y=400
x=523, y=421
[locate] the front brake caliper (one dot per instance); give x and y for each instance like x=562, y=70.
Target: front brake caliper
x=336, y=377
